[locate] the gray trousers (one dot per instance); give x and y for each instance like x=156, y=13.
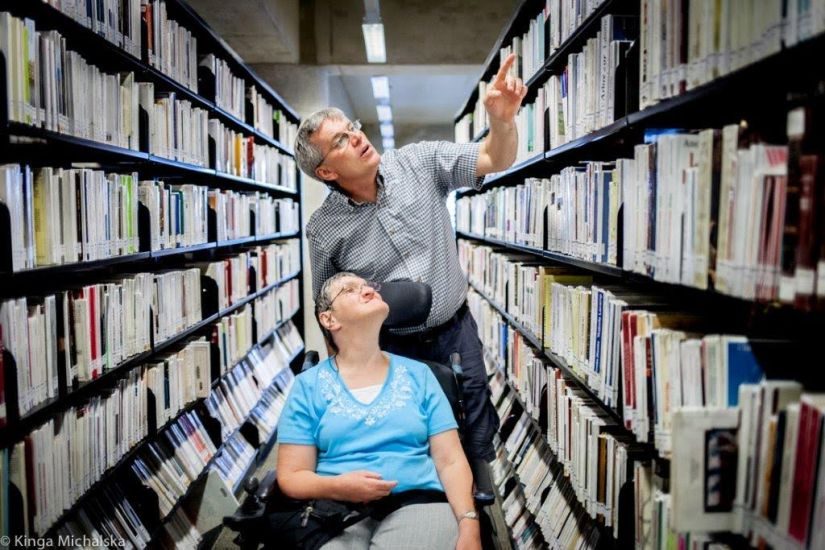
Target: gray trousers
x=431, y=526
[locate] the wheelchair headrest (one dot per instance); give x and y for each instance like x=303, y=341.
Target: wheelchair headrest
x=409, y=303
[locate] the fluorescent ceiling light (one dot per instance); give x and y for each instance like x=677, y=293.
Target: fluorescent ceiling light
x=374, y=41
x=387, y=131
x=380, y=87
x=389, y=143
x=384, y=113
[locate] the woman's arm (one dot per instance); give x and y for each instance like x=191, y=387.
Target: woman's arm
x=297, y=478
x=457, y=479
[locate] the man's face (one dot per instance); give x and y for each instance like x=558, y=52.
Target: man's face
x=348, y=154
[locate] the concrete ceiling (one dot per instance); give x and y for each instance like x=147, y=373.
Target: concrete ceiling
x=434, y=47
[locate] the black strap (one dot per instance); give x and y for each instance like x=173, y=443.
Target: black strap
x=383, y=507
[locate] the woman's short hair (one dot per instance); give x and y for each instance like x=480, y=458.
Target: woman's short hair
x=323, y=302
x=307, y=154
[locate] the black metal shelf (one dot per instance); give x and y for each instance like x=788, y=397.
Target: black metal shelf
x=682, y=293
x=138, y=258
x=167, y=252
x=39, y=145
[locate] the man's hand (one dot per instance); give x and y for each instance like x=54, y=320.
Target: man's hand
x=504, y=94
x=362, y=486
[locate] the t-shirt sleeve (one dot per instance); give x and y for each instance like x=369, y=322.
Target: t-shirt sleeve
x=298, y=423
x=436, y=407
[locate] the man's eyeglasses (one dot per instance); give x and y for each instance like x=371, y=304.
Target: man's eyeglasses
x=341, y=141
x=350, y=289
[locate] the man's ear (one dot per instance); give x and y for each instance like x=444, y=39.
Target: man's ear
x=325, y=174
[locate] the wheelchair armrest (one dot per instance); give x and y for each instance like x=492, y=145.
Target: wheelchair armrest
x=267, y=486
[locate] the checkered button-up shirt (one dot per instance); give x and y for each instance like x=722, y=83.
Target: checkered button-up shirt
x=406, y=233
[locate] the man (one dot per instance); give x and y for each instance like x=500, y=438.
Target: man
x=387, y=219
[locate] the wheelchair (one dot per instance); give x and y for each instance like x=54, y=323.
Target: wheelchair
x=410, y=304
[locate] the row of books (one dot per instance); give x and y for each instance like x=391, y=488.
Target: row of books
x=276, y=306
x=755, y=445
x=687, y=46
x=616, y=339
x=118, y=21
x=178, y=214
x=240, y=156
x=59, y=461
x=171, y=48
x=755, y=469
x=555, y=23
x=231, y=276
x=269, y=120
x=68, y=215
x=52, y=87
x=276, y=261
x=698, y=209
x=530, y=49
x=537, y=497
x=177, y=379
x=575, y=211
x=175, y=129
x=230, y=90
x=603, y=465
x=98, y=326
x=582, y=98
x=110, y=518
x=62, y=216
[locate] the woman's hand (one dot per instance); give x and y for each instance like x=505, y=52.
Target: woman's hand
x=362, y=486
x=469, y=535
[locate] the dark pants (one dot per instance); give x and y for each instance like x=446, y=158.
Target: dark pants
x=459, y=334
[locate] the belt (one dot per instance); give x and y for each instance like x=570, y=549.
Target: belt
x=434, y=332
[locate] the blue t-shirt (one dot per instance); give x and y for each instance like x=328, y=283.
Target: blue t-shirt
x=389, y=436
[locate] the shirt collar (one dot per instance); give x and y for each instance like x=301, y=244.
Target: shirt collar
x=343, y=199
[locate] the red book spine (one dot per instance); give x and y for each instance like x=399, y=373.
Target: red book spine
x=627, y=365
x=93, y=322
x=810, y=424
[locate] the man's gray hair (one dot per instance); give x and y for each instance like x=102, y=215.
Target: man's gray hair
x=307, y=154
x=323, y=301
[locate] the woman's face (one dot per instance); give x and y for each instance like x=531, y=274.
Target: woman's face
x=354, y=299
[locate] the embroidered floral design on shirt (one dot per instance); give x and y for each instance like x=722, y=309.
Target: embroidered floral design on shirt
x=394, y=397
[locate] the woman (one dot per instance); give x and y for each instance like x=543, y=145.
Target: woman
x=365, y=424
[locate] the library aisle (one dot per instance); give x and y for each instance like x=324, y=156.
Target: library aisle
x=645, y=272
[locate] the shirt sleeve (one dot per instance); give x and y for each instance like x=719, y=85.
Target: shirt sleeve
x=455, y=165
x=320, y=264
x=439, y=414
x=298, y=423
